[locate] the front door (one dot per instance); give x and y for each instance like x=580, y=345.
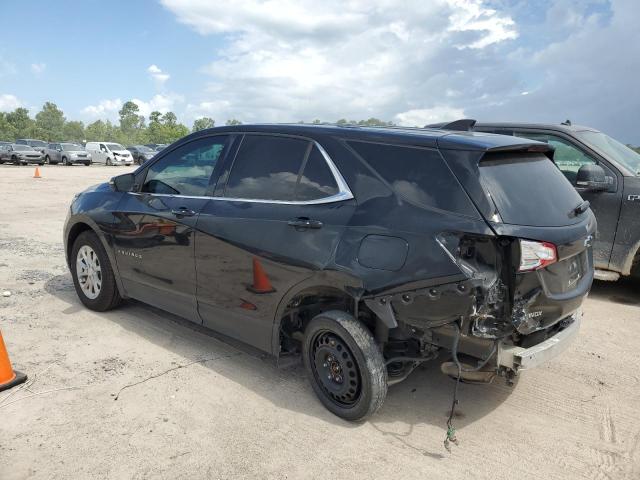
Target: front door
x=275, y=222
x=155, y=231
x=569, y=157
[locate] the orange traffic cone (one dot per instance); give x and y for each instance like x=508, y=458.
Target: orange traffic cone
x=261, y=283
x=36, y=174
x=8, y=377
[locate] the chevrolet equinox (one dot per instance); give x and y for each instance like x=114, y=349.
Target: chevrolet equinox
x=364, y=250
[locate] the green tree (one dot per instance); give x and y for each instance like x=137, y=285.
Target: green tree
x=49, y=123
x=203, y=123
x=233, y=121
x=132, y=124
x=7, y=131
x=20, y=123
x=73, y=131
x=100, y=131
x=154, y=131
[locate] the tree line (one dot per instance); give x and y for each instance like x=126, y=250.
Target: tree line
x=51, y=125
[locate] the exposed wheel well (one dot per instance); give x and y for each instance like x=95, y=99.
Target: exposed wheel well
x=303, y=307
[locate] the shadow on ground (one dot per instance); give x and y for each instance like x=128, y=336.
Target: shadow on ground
x=425, y=397
x=625, y=291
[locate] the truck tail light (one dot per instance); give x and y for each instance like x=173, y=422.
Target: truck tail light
x=536, y=255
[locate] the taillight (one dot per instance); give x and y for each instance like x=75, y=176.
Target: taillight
x=536, y=255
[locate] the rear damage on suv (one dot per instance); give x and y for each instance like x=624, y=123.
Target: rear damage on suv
x=516, y=302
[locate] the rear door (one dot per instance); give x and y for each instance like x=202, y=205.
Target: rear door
x=273, y=223
x=569, y=157
x=155, y=232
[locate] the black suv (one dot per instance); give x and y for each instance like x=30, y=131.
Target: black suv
x=607, y=174
x=365, y=250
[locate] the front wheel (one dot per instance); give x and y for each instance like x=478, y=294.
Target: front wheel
x=108, y=162
x=47, y=160
x=345, y=365
x=92, y=274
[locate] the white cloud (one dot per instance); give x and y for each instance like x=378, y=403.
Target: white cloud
x=9, y=102
x=105, y=109
x=38, y=68
x=159, y=102
x=158, y=75
x=299, y=60
x=424, y=116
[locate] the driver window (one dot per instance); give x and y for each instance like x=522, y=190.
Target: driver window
x=567, y=157
x=186, y=170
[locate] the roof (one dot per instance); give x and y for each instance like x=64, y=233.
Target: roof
x=426, y=137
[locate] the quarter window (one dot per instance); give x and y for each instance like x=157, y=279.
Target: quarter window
x=267, y=168
x=186, y=170
x=316, y=180
x=567, y=157
x=418, y=175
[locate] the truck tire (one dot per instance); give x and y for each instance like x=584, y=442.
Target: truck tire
x=345, y=365
x=89, y=259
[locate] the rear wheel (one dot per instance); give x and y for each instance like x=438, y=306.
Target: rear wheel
x=345, y=365
x=92, y=274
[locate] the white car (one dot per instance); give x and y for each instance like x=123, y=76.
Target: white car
x=109, y=153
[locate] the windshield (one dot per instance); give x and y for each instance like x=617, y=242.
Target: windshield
x=142, y=148
x=609, y=147
x=22, y=147
x=72, y=147
x=114, y=146
x=38, y=143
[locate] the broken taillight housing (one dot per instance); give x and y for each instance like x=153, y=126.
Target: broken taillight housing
x=535, y=255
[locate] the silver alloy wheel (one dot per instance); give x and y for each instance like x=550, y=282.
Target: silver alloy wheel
x=89, y=272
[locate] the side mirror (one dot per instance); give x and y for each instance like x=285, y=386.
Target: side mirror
x=123, y=183
x=592, y=177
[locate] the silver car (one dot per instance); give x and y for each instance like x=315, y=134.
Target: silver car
x=20, y=154
x=67, y=153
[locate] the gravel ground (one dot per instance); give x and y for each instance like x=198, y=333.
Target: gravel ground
x=147, y=395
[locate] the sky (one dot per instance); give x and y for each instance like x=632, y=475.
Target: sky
x=410, y=62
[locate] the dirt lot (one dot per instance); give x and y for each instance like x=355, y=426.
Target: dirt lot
x=233, y=414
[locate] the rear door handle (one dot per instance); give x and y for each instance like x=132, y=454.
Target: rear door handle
x=183, y=212
x=304, y=222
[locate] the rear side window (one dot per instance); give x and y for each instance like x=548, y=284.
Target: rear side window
x=267, y=168
x=418, y=175
x=528, y=189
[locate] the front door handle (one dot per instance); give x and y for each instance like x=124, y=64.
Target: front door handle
x=183, y=212
x=304, y=222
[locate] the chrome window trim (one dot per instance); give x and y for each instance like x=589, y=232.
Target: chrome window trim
x=344, y=192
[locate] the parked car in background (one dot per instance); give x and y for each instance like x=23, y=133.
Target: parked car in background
x=38, y=145
x=67, y=153
x=141, y=153
x=157, y=147
x=367, y=251
x=20, y=154
x=109, y=153
x=607, y=174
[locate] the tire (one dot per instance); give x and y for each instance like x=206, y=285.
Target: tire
x=15, y=160
x=41, y=164
x=108, y=296
x=338, y=348
x=87, y=164
x=47, y=160
x=65, y=162
x=108, y=162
